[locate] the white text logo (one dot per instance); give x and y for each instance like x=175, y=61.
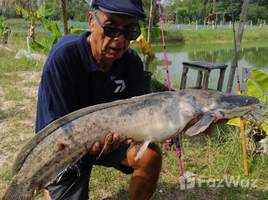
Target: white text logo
x=121, y=86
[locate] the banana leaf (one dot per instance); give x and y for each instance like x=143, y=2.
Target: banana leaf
x=54, y=42
x=47, y=24
x=77, y=31
x=38, y=47
x=265, y=127
x=156, y=32
x=236, y=122
x=47, y=12
x=55, y=30
x=255, y=91
x=260, y=78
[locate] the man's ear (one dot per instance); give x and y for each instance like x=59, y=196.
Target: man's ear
x=91, y=21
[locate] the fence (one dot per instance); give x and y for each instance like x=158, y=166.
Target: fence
x=84, y=25
x=207, y=27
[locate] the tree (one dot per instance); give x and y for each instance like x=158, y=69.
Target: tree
x=147, y=7
x=256, y=12
x=33, y=15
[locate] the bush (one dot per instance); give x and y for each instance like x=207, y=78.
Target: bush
x=175, y=36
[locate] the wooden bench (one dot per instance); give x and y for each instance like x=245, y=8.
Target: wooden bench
x=202, y=67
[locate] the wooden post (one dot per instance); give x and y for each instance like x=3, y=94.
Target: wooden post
x=149, y=35
x=238, y=44
x=206, y=80
x=64, y=17
x=183, y=78
x=221, y=79
x=199, y=79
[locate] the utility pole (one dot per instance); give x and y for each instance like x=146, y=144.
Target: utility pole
x=149, y=34
x=238, y=44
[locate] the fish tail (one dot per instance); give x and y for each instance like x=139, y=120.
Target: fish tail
x=15, y=193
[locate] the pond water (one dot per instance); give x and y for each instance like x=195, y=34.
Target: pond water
x=250, y=56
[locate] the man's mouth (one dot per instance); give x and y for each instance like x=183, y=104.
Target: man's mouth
x=115, y=49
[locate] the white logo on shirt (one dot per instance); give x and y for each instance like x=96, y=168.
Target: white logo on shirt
x=121, y=86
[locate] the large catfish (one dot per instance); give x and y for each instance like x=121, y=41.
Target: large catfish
x=149, y=118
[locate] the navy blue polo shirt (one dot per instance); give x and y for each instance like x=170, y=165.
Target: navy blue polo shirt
x=72, y=80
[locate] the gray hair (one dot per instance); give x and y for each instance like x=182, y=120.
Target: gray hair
x=96, y=10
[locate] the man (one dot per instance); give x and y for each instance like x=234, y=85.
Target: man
x=92, y=68
x=97, y=67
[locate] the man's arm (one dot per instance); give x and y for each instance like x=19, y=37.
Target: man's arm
x=56, y=94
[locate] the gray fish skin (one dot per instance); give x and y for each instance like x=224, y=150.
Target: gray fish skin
x=154, y=117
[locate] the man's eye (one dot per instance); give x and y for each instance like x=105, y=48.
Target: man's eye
x=130, y=28
x=110, y=24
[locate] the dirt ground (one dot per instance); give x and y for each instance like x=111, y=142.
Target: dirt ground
x=17, y=118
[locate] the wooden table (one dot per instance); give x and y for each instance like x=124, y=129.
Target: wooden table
x=203, y=67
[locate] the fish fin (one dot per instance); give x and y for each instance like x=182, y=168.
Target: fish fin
x=141, y=149
x=201, y=125
x=15, y=193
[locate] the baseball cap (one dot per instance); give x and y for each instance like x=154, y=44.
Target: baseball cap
x=124, y=7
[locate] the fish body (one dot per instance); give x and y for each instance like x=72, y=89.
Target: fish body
x=149, y=118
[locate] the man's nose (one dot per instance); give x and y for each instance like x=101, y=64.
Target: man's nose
x=120, y=38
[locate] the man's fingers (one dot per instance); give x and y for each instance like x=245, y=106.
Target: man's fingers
x=127, y=141
x=95, y=148
x=107, y=143
x=116, y=141
x=112, y=141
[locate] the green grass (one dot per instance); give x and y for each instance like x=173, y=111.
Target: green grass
x=192, y=39
x=21, y=23
x=221, y=36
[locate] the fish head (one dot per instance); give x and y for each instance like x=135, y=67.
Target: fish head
x=215, y=105
x=222, y=105
x=228, y=106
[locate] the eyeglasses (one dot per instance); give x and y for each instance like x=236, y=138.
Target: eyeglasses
x=116, y=32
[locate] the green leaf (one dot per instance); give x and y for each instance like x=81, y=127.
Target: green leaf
x=54, y=41
x=44, y=42
x=255, y=91
x=47, y=12
x=38, y=47
x=246, y=93
x=236, y=122
x=156, y=32
x=17, y=7
x=47, y=25
x=265, y=127
x=77, y=31
x=260, y=78
x=56, y=30
x=70, y=29
x=141, y=23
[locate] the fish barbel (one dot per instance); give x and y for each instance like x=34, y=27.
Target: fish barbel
x=149, y=118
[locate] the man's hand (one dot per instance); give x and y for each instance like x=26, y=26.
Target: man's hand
x=112, y=141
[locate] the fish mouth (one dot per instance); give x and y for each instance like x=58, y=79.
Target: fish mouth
x=235, y=112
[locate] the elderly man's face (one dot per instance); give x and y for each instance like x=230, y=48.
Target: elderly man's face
x=111, y=48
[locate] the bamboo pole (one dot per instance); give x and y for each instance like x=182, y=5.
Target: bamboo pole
x=238, y=44
x=64, y=17
x=150, y=34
